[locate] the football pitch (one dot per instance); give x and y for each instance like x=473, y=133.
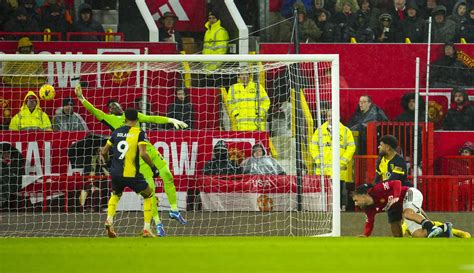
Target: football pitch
x=236, y=254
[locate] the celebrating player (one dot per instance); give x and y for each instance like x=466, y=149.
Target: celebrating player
x=387, y=196
x=116, y=119
x=127, y=142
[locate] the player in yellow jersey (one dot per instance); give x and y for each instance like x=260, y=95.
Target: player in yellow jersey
x=128, y=144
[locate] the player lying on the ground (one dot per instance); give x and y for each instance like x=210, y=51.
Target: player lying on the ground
x=400, y=202
x=456, y=232
x=116, y=119
x=127, y=143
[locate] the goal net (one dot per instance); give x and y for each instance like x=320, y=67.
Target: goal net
x=244, y=166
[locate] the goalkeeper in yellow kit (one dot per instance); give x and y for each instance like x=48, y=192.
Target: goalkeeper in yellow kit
x=115, y=120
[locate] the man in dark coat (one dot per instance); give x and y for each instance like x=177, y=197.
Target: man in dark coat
x=413, y=27
x=87, y=24
x=220, y=164
x=448, y=71
x=22, y=22
x=408, y=105
x=460, y=116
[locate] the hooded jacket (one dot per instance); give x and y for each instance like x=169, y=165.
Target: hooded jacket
x=72, y=122
x=330, y=32
x=455, y=17
x=308, y=30
x=409, y=115
x=220, y=163
x=347, y=148
x=15, y=25
x=442, y=32
x=27, y=120
x=459, y=117
x=262, y=165
x=466, y=29
x=414, y=27
x=89, y=26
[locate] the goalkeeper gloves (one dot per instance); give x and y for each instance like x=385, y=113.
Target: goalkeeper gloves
x=155, y=171
x=178, y=124
x=78, y=91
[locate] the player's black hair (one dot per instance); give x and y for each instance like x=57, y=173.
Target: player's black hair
x=390, y=141
x=110, y=102
x=131, y=114
x=363, y=189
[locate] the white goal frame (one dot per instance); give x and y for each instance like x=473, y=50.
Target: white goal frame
x=314, y=58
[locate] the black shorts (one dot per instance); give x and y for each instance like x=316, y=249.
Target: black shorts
x=136, y=184
x=394, y=215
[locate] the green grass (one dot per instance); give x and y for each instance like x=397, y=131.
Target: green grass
x=236, y=254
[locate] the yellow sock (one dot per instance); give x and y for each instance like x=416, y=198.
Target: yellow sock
x=112, y=207
x=147, y=203
x=154, y=210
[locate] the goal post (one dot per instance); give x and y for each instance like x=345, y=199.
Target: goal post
x=243, y=104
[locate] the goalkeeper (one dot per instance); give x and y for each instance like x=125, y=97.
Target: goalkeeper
x=115, y=120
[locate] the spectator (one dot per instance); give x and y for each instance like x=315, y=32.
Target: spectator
x=261, y=163
x=467, y=149
x=168, y=32
x=428, y=8
x=365, y=113
x=247, y=104
x=6, y=11
x=330, y=32
x=459, y=13
x=288, y=7
x=12, y=169
x=346, y=152
x=413, y=27
x=442, y=30
x=216, y=39
x=30, y=116
x=31, y=8
x=408, y=105
x=53, y=18
x=362, y=32
x=220, y=164
x=86, y=23
x=345, y=19
x=308, y=30
x=354, y=6
x=385, y=32
x=181, y=109
x=22, y=22
x=460, y=116
x=448, y=71
x=68, y=120
x=371, y=13
x=103, y=4
x=399, y=13
x=466, y=30
x=24, y=73
x=65, y=6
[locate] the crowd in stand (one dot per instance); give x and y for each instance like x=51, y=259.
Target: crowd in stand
x=378, y=21
x=56, y=16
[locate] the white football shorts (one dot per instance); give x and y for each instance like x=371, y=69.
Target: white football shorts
x=413, y=200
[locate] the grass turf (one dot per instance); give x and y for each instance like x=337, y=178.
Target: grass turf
x=236, y=254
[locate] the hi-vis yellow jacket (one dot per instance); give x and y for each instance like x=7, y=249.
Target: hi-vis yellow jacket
x=216, y=40
x=243, y=105
x=27, y=120
x=346, y=150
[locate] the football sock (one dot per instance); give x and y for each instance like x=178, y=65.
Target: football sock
x=169, y=187
x=427, y=225
x=112, y=207
x=147, y=203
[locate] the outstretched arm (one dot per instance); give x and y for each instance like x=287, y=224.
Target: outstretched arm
x=162, y=120
x=94, y=111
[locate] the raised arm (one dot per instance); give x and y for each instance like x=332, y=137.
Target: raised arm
x=99, y=114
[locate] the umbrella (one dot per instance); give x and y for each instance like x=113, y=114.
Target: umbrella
x=82, y=152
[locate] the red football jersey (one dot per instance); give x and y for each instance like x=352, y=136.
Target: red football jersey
x=387, y=196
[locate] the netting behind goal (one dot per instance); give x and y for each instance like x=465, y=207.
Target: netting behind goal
x=244, y=166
